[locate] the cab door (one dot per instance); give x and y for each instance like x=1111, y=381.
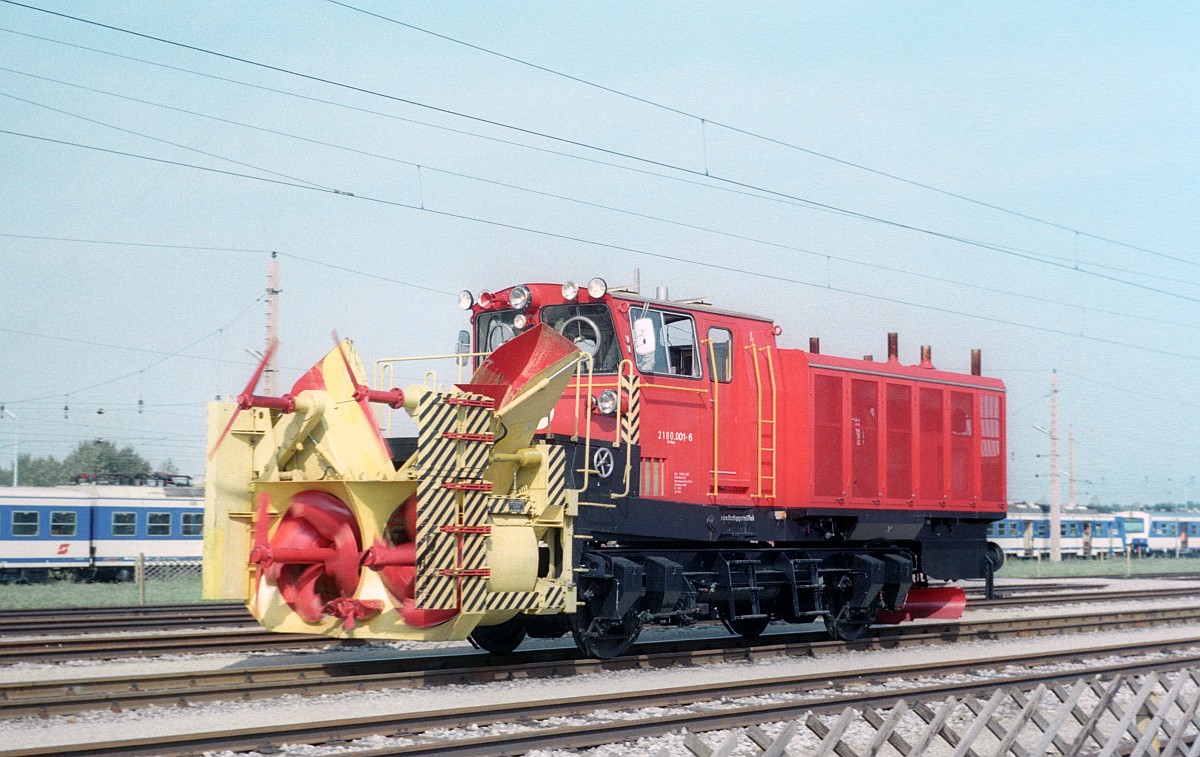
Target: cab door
x=676, y=413
x=734, y=477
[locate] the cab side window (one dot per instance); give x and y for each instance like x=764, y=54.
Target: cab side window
x=664, y=342
x=717, y=352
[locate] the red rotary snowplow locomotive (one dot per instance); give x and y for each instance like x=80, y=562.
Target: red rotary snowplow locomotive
x=614, y=461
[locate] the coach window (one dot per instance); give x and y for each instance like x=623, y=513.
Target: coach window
x=63, y=523
x=124, y=524
x=158, y=524
x=193, y=524
x=664, y=342
x=24, y=523
x=717, y=354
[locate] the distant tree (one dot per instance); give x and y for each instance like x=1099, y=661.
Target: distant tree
x=36, y=471
x=168, y=466
x=96, y=456
x=101, y=456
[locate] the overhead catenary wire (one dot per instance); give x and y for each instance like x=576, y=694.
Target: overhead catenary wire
x=623, y=248
x=565, y=140
x=1074, y=264
x=126, y=243
x=586, y=203
x=169, y=356
x=709, y=121
x=160, y=140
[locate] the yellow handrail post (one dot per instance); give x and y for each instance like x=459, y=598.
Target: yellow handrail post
x=758, y=453
x=716, y=403
x=774, y=419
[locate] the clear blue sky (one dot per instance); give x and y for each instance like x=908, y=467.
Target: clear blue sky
x=1082, y=115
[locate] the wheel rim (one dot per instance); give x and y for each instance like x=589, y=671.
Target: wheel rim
x=749, y=628
x=844, y=627
x=501, y=638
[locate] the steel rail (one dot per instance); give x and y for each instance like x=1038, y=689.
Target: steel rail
x=594, y=734
x=49, y=649
x=206, y=615
x=148, y=645
x=64, y=697
x=93, y=619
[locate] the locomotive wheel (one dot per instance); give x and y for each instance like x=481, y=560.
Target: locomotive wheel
x=499, y=639
x=996, y=555
x=845, y=626
x=601, y=638
x=749, y=628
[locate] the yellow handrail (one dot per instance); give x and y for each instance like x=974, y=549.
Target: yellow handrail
x=774, y=420
x=628, y=441
x=587, y=432
x=716, y=402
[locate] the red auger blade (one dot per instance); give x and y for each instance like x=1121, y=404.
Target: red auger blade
x=262, y=530
x=244, y=398
x=360, y=391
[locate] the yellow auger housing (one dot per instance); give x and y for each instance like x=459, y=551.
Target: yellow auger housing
x=312, y=523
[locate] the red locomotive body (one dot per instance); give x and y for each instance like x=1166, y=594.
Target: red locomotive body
x=729, y=418
x=781, y=483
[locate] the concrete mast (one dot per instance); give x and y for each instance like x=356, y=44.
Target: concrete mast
x=272, y=320
x=1055, y=501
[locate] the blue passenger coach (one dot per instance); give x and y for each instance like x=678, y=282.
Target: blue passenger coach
x=1025, y=532
x=96, y=531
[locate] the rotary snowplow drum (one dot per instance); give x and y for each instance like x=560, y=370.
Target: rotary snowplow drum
x=394, y=559
x=313, y=555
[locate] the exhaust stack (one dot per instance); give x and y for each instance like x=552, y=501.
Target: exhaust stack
x=926, y=356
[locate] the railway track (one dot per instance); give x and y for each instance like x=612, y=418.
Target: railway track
x=34, y=622
x=64, y=697
x=120, y=618
x=720, y=711
x=43, y=648
x=135, y=642
x=151, y=645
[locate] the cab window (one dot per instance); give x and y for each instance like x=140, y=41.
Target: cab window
x=590, y=328
x=664, y=342
x=717, y=353
x=494, y=329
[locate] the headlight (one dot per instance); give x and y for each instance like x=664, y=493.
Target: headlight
x=518, y=298
x=570, y=290
x=606, y=403
x=519, y=321
x=465, y=300
x=597, y=288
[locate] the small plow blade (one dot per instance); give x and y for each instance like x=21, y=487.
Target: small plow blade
x=946, y=603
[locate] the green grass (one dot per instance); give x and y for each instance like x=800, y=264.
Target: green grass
x=166, y=591
x=1117, y=566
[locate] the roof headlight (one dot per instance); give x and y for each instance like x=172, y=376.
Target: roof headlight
x=606, y=403
x=597, y=288
x=519, y=321
x=519, y=297
x=570, y=290
x=465, y=300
